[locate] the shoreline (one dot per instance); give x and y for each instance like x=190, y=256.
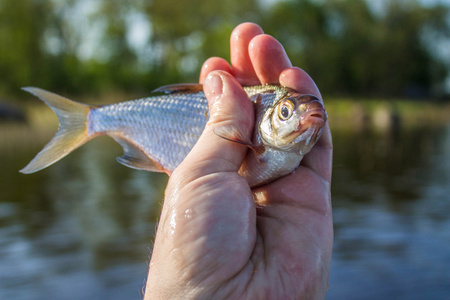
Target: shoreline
x=343, y=115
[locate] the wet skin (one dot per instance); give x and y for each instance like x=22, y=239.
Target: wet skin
x=216, y=237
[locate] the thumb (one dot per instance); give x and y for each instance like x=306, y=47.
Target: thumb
x=208, y=216
x=229, y=106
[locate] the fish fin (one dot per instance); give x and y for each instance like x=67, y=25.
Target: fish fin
x=72, y=132
x=136, y=158
x=180, y=88
x=233, y=134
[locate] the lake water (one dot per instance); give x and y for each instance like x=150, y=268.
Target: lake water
x=83, y=228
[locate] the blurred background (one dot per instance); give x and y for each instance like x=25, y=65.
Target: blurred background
x=83, y=228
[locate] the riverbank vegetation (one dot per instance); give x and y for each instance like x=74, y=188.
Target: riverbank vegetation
x=118, y=50
x=349, y=115
x=360, y=48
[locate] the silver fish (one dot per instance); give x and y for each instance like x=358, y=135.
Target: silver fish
x=158, y=132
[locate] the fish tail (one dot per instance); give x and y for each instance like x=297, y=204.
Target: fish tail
x=72, y=132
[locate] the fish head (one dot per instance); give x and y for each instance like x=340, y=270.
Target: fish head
x=294, y=123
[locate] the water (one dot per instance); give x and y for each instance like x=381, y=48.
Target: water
x=83, y=229
x=391, y=198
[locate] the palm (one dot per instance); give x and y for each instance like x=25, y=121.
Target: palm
x=271, y=242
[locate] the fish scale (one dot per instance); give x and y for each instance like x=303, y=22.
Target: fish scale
x=173, y=124
x=158, y=132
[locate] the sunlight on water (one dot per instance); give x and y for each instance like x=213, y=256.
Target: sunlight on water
x=83, y=228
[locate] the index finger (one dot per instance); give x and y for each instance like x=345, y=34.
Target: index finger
x=243, y=69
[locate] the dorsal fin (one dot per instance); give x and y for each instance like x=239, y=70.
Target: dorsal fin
x=180, y=88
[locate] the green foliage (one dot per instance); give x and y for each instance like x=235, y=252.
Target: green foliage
x=20, y=30
x=348, y=47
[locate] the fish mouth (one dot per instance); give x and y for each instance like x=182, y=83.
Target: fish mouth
x=315, y=118
x=309, y=128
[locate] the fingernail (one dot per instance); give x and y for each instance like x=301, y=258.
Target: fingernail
x=213, y=86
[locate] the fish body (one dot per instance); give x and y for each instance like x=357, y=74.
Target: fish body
x=158, y=132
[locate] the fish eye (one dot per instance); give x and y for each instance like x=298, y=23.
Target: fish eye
x=286, y=109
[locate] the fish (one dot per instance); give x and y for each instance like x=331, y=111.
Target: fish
x=157, y=132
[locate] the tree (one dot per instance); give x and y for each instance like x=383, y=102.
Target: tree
x=22, y=25
x=346, y=45
x=351, y=49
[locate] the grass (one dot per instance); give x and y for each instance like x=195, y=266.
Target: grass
x=348, y=113
x=41, y=125
x=344, y=114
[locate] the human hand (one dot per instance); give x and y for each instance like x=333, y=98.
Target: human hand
x=217, y=238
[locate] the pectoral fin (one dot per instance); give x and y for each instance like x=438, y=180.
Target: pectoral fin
x=234, y=134
x=135, y=158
